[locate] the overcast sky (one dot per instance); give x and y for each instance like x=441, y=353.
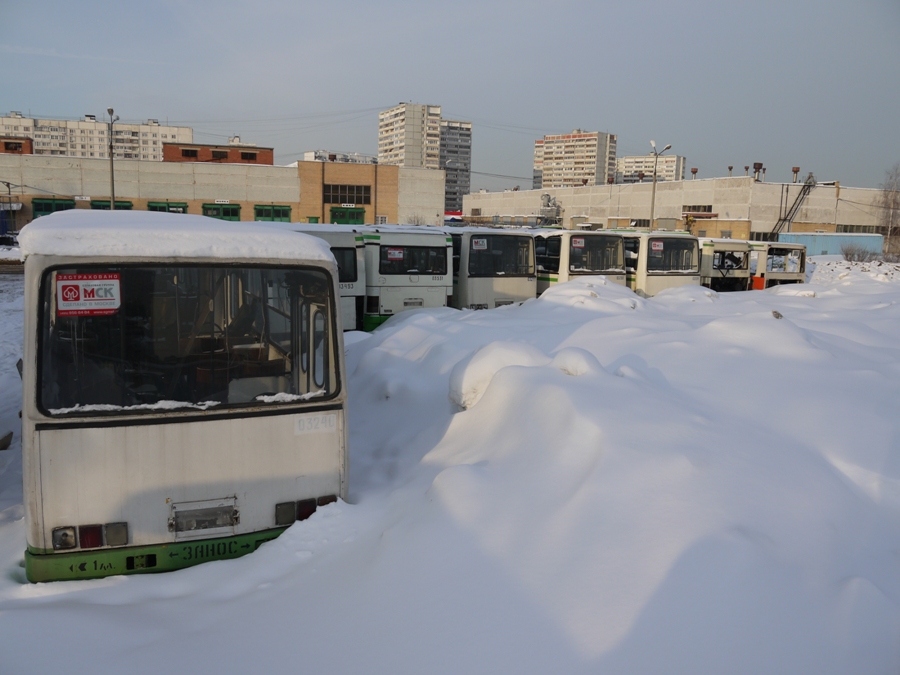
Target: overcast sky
x=806, y=83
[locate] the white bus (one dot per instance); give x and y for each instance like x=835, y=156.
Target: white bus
x=774, y=262
x=349, y=251
x=563, y=255
x=407, y=267
x=725, y=264
x=658, y=260
x=184, y=393
x=492, y=267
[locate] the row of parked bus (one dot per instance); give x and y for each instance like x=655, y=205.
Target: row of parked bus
x=184, y=391
x=387, y=269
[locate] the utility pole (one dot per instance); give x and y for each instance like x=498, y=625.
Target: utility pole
x=112, y=179
x=653, y=190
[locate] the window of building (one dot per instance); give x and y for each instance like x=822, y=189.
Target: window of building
x=103, y=205
x=220, y=154
x=12, y=146
x=697, y=208
x=41, y=207
x=168, y=207
x=346, y=194
x=189, y=152
x=278, y=214
x=222, y=211
x=248, y=156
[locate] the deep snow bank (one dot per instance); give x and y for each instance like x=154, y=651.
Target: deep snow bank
x=589, y=482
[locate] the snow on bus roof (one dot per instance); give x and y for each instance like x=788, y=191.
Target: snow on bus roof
x=148, y=234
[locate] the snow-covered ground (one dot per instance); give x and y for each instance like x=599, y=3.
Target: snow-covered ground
x=10, y=254
x=587, y=483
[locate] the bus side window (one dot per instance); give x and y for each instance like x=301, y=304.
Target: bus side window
x=320, y=349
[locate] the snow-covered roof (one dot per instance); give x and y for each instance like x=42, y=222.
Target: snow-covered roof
x=148, y=234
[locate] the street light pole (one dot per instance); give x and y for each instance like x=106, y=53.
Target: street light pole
x=112, y=179
x=653, y=190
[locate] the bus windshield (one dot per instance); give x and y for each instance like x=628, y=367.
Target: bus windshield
x=672, y=255
x=500, y=255
x=595, y=253
x=134, y=339
x=413, y=260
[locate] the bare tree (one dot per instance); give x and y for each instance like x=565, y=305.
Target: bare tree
x=857, y=253
x=888, y=202
x=417, y=219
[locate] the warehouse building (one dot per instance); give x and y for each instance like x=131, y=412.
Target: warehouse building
x=740, y=207
x=308, y=192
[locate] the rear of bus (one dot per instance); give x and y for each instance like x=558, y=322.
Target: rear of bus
x=406, y=268
x=495, y=268
x=177, y=407
x=657, y=261
x=725, y=264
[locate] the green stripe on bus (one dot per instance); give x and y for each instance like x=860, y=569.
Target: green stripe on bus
x=372, y=321
x=106, y=562
x=552, y=280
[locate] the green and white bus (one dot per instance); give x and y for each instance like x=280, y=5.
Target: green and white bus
x=184, y=394
x=658, y=260
x=349, y=251
x=563, y=255
x=492, y=267
x=407, y=267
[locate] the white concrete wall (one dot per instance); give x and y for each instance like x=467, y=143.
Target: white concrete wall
x=134, y=179
x=737, y=198
x=421, y=196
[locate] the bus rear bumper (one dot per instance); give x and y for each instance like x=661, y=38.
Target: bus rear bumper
x=104, y=562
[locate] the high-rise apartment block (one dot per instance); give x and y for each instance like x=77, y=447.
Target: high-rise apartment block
x=571, y=160
x=409, y=134
x=414, y=135
x=456, y=161
x=668, y=167
x=88, y=137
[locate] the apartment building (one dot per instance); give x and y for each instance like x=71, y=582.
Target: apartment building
x=456, y=161
x=669, y=167
x=414, y=135
x=578, y=158
x=88, y=137
x=409, y=134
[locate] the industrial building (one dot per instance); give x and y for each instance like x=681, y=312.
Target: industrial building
x=309, y=192
x=740, y=207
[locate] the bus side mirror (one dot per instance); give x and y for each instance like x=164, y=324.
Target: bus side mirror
x=19, y=367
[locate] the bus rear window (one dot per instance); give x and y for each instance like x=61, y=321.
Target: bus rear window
x=413, y=260
x=126, y=340
x=594, y=253
x=672, y=255
x=500, y=255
